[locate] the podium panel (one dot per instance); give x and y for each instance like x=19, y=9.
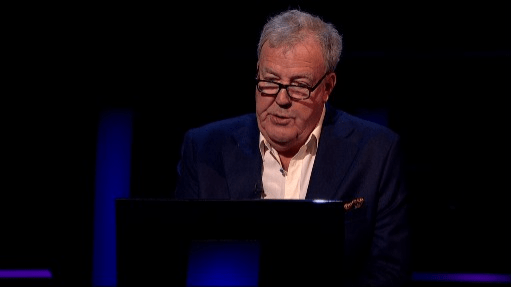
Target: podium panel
x=165, y=242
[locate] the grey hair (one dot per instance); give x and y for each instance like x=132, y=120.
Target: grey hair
x=293, y=26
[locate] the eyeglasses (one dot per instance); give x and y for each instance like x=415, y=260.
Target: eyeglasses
x=296, y=92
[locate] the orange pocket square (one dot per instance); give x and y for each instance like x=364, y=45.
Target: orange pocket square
x=354, y=204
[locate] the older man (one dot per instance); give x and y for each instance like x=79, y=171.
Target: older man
x=298, y=146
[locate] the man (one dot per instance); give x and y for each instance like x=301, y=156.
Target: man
x=297, y=146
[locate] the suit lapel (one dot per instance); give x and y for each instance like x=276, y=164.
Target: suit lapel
x=242, y=163
x=334, y=157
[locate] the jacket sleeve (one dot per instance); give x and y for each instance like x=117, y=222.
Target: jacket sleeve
x=187, y=185
x=390, y=260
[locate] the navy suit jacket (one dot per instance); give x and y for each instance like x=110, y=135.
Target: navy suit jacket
x=355, y=159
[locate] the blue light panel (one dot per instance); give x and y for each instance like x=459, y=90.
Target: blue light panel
x=223, y=263
x=113, y=164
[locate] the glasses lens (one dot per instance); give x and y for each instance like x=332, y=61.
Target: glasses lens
x=268, y=88
x=298, y=92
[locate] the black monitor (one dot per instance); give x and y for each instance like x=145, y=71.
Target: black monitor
x=167, y=242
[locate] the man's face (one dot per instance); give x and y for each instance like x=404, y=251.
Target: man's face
x=284, y=122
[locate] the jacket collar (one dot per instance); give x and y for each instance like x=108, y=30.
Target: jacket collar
x=243, y=163
x=335, y=156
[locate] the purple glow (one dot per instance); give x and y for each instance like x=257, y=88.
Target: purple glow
x=463, y=277
x=25, y=274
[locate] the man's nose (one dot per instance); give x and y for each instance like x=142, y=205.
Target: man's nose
x=282, y=98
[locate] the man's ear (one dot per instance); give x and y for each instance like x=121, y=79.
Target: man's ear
x=330, y=81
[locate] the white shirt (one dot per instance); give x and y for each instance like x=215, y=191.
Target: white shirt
x=293, y=184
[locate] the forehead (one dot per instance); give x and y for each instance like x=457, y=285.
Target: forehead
x=305, y=56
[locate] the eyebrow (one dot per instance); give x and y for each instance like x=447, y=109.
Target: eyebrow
x=306, y=76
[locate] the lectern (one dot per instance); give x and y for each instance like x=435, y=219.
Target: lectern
x=168, y=242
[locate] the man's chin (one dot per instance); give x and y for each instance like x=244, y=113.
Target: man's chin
x=280, y=139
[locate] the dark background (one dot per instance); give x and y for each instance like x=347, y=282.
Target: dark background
x=439, y=72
